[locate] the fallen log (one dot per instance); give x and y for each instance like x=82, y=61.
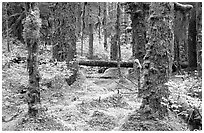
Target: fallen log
x=101, y=63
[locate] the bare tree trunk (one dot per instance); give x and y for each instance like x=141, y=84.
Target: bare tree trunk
x=114, y=48
x=82, y=27
x=90, y=27
x=7, y=28
x=192, y=58
x=199, y=37
x=104, y=23
x=181, y=23
x=90, y=41
x=117, y=27
x=158, y=59
x=99, y=26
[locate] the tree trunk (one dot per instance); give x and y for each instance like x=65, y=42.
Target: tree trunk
x=99, y=26
x=114, y=48
x=71, y=41
x=117, y=27
x=82, y=27
x=181, y=23
x=32, y=41
x=7, y=28
x=199, y=37
x=158, y=59
x=78, y=19
x=192, y=58
x=138, y=30
x=104, y=24
x=90, y=41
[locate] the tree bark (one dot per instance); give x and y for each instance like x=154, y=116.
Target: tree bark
x=199, y=37
x=71, y=41
x=99, y=26
x=192, y=57
x=117, y=26
x=138, y=17
x=82, y=27
x=32, y=41
x=90, y=41
x=114, y=48
x=7, y=28
x=104, y=24
x=181, y=22
x=158, y=60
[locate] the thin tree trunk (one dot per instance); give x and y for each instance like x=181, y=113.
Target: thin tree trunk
x=117, y=27
x=104, y=24
x=99, y=26
x=90, y=27
x=7, y=28
x=158, y=59
x=82, y=27
x=90, y=41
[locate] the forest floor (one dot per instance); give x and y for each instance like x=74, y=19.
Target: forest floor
x=91, y=104
x=94, y=102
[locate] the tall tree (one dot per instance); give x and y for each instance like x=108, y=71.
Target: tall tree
x=158, y=59
x=31, y=34
x=181, y=22
x=117, y=27
x=105, y=26
x=83, y=26
x=90, y=23
x=192, y=33
x=199, y=36
x=138, y=12
x=114, y=46
x=7, y=28
x=99, y=23
x=71, y=40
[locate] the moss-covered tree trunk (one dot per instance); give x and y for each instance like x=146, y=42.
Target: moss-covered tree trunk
x=71, y=41
x=31, y=35
x=199, y=36
x=138, y=15
x=158, y=59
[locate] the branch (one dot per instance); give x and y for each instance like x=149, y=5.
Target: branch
x=182, y=7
